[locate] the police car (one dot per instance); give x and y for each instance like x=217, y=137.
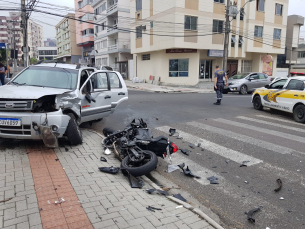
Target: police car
x=285, y=95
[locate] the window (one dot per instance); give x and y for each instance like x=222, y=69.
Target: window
x=254, y=77
x=104, y=61
x=260, y=5
x=247, y=66
x=278, y=84
x=100, y=81
x=258, y=32
x=219, y=1
x=114, y=80
x=278, y=9
x=139, y=32
x=301, y=54
x=104, y=44
x=190, y=23
x=233, y=40
x=146, y=57
x=96, y=29
x=295, y=85
x=151, y=24
x=103, y=7
x=261, y=76
x=138, y=5
x=277, y=34
x=240, y=42
x=217, y=26
x=179, y=68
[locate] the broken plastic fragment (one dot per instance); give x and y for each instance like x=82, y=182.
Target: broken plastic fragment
x=172, y=131
x=244, y=164
x=251, y=213
x=281, y=198
x=192, y=146
x=213, y=180
x=199, y=144
x=246, y=182
x=59, y=202
x=279, y=181
x=107, y=151
x=180, y=206
x=172, y=168
x=178, y=196
x=49, y=202
x=227, y=161
x=185, y=151
x=135, y=182
x=112, y=170
x=150, y=208
x=188, y=172
x=161, y=192
x=103, y=159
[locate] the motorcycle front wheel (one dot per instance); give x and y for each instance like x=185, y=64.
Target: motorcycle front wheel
x=144, y=167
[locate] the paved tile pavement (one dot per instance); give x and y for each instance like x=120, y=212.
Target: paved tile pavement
x=108, y=200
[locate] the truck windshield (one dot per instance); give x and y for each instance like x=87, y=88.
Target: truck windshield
x=48, y=77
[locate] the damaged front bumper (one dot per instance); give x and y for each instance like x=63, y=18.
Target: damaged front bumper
x=35, y=126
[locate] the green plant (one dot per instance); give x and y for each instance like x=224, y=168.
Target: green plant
x=33, y=60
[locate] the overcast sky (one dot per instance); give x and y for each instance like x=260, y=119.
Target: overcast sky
x=295, y=7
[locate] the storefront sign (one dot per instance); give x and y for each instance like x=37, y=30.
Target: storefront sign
x=215, y=53
x=181, y=50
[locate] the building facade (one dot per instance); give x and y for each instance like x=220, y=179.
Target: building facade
x=85, y=31
x=181, y=41
x=67, y=49
x=35, y=38
x=112, y=37
x=50, y=42
x=47, y=53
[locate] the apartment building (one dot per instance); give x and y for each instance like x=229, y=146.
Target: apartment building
x=35, y=38
x=10, y=32
x=85, y=31
x=67, y=49
x=181, y=41
x=50, y=42
x=47, y=53
x=112, y=37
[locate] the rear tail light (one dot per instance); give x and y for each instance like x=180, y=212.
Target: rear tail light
x=175, y=148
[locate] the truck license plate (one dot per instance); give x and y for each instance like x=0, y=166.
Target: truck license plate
x=10, y=122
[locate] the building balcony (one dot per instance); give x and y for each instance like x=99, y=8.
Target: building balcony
x=112, y=47
x=112, y=27
x=112, y=7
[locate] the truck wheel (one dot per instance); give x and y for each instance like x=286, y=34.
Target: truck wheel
x=299, y=113
x=73, y=131
x=150, y=165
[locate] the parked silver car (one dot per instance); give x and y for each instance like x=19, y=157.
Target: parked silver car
x=49, y=101
x=247, y=82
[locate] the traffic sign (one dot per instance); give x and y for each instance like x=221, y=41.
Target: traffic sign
x=2, y=45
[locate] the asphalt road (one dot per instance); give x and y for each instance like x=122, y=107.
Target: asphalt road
x=271, y=143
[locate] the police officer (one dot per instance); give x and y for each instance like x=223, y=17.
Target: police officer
x=218, y=83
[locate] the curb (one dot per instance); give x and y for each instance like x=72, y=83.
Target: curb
x=186, y=205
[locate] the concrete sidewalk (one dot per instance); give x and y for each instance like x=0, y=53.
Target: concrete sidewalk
x=208, y=88
x=33, y=178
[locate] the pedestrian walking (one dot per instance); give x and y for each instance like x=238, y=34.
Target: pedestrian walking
x=219, y=83
x=2, y=73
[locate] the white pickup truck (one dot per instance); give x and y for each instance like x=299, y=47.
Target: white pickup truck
x=50, y=100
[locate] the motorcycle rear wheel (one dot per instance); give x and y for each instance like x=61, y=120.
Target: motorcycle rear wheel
x=143, y=169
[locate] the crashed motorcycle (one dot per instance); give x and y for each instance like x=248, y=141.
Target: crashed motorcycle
x=136, y=147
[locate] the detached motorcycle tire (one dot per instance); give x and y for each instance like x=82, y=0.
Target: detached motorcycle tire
x=141, y=170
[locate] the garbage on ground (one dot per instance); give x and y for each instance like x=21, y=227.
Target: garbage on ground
x=227, y=161
x=192, y=146
x=251, y=213
x=178, y=196
x=112, y=170
x=246, y=182
x=172, y=168
x=281, y=198
x=187, y=171
x=185, y=151
x=59, y=202
x=107, y=151
x=172, y=131
x=213, y=180
x=135, y=182
x=279, y=181
x=161, y=192
x=180, y=206
x=152, y=209
x=103, y=159
x=244, y=164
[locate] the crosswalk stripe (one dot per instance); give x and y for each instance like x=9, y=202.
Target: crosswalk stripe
x=271, y=124
x=263, y=130
x=215, y=148
x=276, y=118
x=243, y=138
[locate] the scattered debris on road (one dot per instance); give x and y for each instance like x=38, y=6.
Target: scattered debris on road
x=152, y=209
x=161, y=192
x=246, y=182
x=56, y=159
x=180, y=206
x=135, y=182
x=281, y=198
x=172, y=131
x=192, y=146
x=185, y=151
x=227, y=161
x=199, y=144
x=213, y=180
x=172, y=168
x=279, y=181
x=178, y=196
x=251, y=213
x=103, y=159
x=244, y=164
x=3, y=201
x=187, y=171
x=112, y=170
x=107, y=151
x=61, y=201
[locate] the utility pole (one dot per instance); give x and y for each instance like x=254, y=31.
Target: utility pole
x=24, y=25
x=13, y=42
x=226, y=41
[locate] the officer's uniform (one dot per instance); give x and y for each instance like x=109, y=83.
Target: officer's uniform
x=219, y=74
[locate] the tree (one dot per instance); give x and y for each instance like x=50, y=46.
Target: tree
x=33, y=60
x=2, y=55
